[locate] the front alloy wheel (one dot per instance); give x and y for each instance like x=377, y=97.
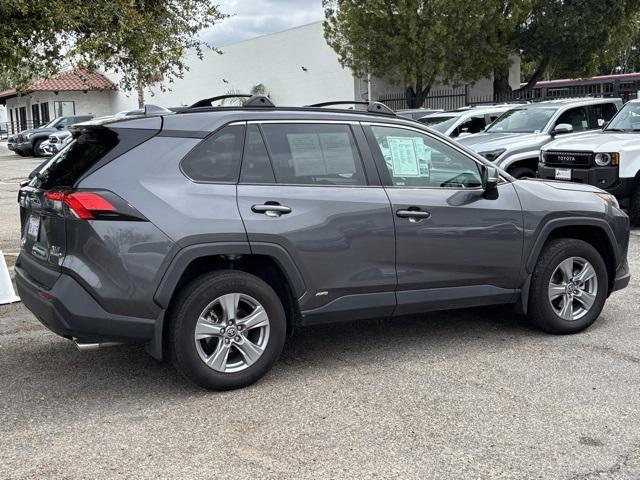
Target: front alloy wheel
x=573, y=288
x=568, y=286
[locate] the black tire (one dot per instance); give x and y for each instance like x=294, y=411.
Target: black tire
x=36, y=148
x=541, y=313
x=634, y=207
x=522, y=172
x=193, y=299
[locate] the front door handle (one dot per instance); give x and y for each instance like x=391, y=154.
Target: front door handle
x=271, y=210
x=414, y=215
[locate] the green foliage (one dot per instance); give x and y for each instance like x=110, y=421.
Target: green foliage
x=143, y=40
x=412, y=42
x=572, y=37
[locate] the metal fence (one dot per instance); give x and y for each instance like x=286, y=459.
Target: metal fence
x=10, y=128
x=450, y=99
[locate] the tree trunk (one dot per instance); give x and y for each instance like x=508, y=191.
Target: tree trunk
x=501, y=87
x=140, y=90
x=536, y=76
x=415, y=96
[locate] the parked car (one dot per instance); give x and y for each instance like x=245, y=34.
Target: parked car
x=11, y=142
x=464, y=121
x=416, y=113
x=28, y=141
x=54, y=143
x=514, y=140
x=608, y=159
x=210, y=233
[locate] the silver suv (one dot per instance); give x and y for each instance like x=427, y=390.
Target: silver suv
x=514, y=140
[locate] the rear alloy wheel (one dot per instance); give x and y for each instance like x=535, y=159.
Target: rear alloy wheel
x=568, y=288
x=227, y=330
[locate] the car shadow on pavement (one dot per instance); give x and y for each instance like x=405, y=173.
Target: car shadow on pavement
x=42, y=362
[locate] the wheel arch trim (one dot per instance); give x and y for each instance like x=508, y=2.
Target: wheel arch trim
x=547, y=229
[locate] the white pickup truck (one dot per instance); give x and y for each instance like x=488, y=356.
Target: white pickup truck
x=609, y=159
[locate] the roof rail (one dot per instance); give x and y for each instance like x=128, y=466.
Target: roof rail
x=372, y=107
x=253, y=100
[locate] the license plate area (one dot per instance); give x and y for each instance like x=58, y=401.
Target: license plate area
x=563, y=174
x=33, y=228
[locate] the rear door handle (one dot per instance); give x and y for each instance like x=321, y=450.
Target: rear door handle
x=271, y=210
x=413, y=215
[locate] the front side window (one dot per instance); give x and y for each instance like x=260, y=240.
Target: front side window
x=601, y=114
x=472, y=125
x=217, y=158
x=314, y=154
x=576, y=117
x=441, y=123
x=418, y=160
x=523, y=120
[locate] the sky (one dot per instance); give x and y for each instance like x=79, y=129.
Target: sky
x=252, y=18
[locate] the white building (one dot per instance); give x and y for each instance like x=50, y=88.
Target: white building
x=295, y=66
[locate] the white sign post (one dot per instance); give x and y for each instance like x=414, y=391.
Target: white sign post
x=7, y=295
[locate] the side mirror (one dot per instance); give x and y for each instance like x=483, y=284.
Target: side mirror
x=562, y=128
x=60, y=127
x=490, y=178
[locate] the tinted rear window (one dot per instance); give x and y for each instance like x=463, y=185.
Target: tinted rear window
x=217, y=158
x=66, y=168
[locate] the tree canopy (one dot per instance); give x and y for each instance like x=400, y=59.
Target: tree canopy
x=142, y=40
x=413, y=42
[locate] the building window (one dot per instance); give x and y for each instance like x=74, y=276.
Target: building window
x=44, y=112
x=64, y=109
x=22, y=117
x=35, y=115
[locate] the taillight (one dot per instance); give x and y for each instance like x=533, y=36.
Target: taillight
x=91, y=205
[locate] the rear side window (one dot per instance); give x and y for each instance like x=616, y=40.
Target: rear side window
x=66, y=168
x=256, y=167
x=217, y=158
x=314, y=154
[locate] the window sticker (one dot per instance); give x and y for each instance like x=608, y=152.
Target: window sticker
x=403, y=156
x=306, y=154
x=337, y=153
x=585, y=124
x=424, y=157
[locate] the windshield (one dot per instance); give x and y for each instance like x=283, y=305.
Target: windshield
x=53, y=123
x=627, y=119
x=440, y=123
x=522, y=120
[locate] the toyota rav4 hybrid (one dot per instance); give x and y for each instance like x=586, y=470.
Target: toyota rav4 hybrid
x=210, y=233
x=609, y=159
x=514, y=140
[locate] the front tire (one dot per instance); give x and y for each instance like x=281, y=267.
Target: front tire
x=568, y=288
x=227, y=330
x=522, y=172
x=36, y=148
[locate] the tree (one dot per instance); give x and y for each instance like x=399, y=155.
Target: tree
x=569, y=37
x=144, y=41
x=412, y=42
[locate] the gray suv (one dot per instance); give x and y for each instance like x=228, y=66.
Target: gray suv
x=514, y=140
x=210, y=233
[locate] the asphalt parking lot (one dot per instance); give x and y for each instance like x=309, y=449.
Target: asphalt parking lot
x=473, y=394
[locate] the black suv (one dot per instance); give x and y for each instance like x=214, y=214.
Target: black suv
x=210, y=233
x=27, y=142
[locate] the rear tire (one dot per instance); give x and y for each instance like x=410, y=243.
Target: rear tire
x=522, y=172
x=634, y=207
x=569, y=273
x=216, y=351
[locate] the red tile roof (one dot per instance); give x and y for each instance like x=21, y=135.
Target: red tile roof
x=71, y=80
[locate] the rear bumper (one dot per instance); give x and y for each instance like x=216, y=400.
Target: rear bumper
x=68, y=310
